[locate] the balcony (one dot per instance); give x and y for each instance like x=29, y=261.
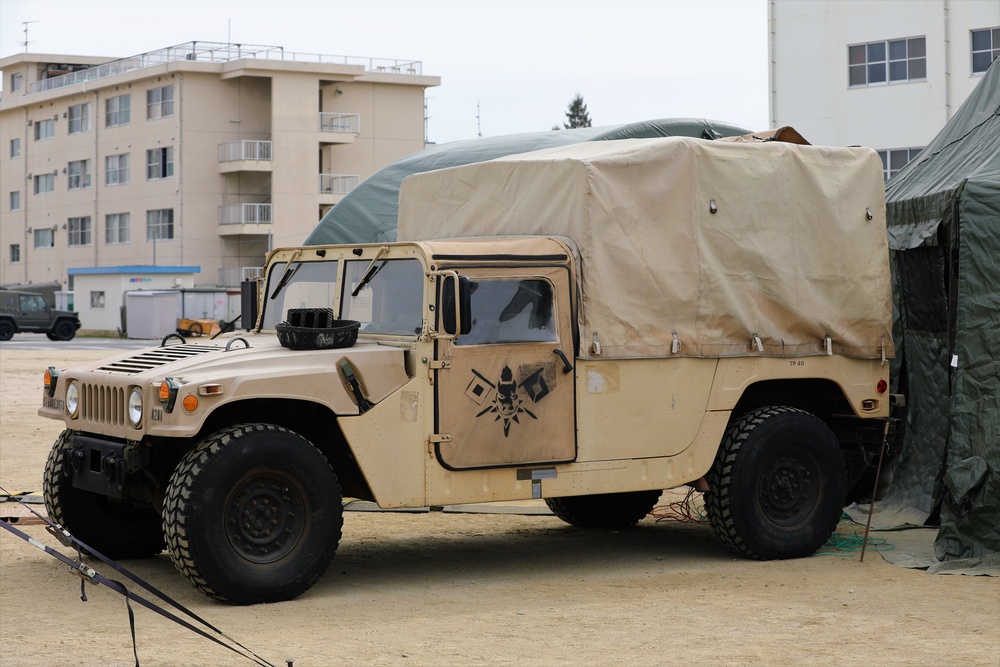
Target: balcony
x=337, y=184
x=245, y=155
x=339, y=128
x=244, y=219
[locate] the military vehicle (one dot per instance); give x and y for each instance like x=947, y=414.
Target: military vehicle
x=29, y=312
x=586, y=325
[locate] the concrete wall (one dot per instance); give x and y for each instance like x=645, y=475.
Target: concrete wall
x=809, y=68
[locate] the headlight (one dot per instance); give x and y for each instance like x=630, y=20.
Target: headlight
x=135, y=406
x=73, y=399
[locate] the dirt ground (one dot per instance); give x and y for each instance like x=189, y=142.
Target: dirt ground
x=490, y=589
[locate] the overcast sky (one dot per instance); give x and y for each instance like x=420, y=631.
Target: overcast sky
x=505, y=66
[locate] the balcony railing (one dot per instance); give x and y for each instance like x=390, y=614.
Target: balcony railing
x=339, y=122
x=233, y=277
x=245, y=150
x=220, y=52
x=337, y=184
x=245, y=214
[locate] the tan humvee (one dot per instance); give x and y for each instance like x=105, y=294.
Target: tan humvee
x=594, y=324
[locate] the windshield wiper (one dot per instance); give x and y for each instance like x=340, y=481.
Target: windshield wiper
x=371, y=271
x=288, y=272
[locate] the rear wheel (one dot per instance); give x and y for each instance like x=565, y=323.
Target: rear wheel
x=6, y=329
x=116, y=528
x=777, y=487
x=607, y=511
x=253, y=514
x=64, y=330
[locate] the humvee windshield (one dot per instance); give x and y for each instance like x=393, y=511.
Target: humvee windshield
x=391, y=302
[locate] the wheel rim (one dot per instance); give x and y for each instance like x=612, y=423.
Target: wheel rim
x=789, y=489
x=265, y=518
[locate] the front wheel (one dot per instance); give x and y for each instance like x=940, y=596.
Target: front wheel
x=116, y=528
x=606, y=511
x=777, y=486
x=253, y=514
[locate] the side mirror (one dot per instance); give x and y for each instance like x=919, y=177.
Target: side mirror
x=456, y=308
x=248, y=303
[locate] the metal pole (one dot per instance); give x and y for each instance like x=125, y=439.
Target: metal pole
x=878, y=473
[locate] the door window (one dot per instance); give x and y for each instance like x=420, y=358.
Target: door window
x=510, y=311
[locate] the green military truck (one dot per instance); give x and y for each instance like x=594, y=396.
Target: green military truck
x=29, y=312
x=587, y=325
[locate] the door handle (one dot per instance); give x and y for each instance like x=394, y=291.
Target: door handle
x=567, y=367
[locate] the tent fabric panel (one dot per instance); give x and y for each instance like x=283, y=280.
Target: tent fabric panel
x=970, y=511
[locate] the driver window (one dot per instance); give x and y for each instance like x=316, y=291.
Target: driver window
x=32, y=304
x=510, y=311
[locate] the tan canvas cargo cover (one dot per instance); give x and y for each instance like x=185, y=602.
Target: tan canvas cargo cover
x=691, y=247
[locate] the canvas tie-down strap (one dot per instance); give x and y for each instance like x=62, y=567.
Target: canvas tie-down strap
x=89, y=574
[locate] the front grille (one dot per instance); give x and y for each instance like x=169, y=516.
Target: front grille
x=156, y=357
x=102, y=405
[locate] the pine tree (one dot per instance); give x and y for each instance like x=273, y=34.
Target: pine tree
x=576, y=114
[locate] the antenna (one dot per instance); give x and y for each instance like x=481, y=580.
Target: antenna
x=479, y=129
x=427, y=118
x=26, y=42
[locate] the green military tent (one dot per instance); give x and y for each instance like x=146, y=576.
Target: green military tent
x=943, y=212
x=367, y=214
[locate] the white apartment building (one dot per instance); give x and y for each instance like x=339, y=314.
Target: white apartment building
x=887, y=74
x=201, y=156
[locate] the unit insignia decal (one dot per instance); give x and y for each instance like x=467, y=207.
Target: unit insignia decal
x=506, y=399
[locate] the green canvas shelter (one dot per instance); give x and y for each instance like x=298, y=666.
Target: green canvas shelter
x=943, y=212
x=367, y=214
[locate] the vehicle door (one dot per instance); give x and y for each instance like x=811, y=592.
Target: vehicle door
x=504, y=391
x=34, y=312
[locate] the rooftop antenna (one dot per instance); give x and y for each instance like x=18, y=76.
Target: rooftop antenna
x=479, y=129
x=26, y=42
x=426, y=118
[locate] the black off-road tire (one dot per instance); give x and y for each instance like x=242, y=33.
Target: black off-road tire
x=6, y=329
x=253, y=514
x=776, y=489
x=604, y=511
x=64, y=330
x=116, y=528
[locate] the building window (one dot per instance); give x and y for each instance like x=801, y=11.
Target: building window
x=118, y=111
x=79, y=231
x=159, y=163
x=116, y=229
x=160, y=224
x=15, y=148
x=15, y=253
x=160, y=102
x=887, y=62
x=45, y=183
x=79, y=118
x=45, y=129
x=97, y=299
x=78, y=176
x=894, y=159
x=15, y=82
x=985, y=47
x=117, y=169
x=15, y=200
x=45, y=238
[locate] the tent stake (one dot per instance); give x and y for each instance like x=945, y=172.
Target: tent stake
x=878, y=474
